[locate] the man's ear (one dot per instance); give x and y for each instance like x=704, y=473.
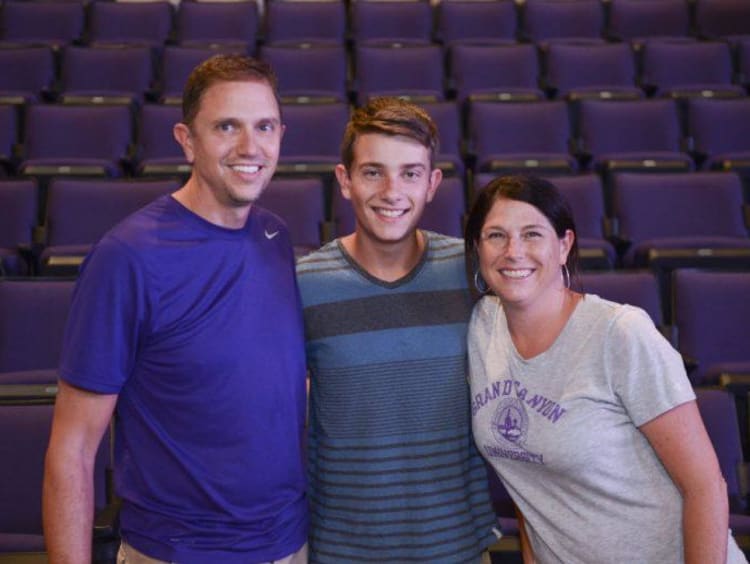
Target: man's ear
x=345, y=181
x=183, y=136
x=436, y=177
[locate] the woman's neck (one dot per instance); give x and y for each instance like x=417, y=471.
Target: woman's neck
x=535, y=328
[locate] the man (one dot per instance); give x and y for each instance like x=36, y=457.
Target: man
x=393, y=470
x=186, y=320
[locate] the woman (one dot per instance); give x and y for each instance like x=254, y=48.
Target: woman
x=579, y=404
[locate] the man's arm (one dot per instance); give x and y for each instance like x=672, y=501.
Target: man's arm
x=684, y=448
x=79, y=422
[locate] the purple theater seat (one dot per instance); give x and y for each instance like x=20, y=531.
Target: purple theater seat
x=529, y=137
x=92, y=75
x=18, y=217
x=218, y=23
x=140, y=23
x=410, y=71
x=632, y=135
x=681, y=219
x=305, y=22
x=303, y=153
x=689, y=69
x=447, y=118
x=42, y=23
x=720, y=132
x=309, y=73
x=32, y=318
x=158, y=153
x=577, y=71
x=711, y=311
x=502, y=73
x=476, y=22
x=548, y=21
x=27, y=74
x=639, y=20
x=76, y=140
x=391, y=21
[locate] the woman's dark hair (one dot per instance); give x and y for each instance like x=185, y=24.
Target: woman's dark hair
x=540, y=193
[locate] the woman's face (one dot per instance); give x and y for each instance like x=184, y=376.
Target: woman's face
x=520, y=254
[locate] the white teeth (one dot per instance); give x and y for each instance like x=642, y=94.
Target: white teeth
x=249, y=169
x=390, y=213
x=516, y=273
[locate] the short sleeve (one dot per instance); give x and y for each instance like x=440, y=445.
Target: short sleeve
x=646, y=373
x=479, y=334
x=106, y=320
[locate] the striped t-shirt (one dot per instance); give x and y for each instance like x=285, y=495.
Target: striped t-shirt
x=394, y=474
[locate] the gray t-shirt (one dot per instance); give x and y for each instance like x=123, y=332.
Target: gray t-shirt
x=561, y=430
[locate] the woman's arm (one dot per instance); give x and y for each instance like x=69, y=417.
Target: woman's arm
x=684, y=448
x=526, y=552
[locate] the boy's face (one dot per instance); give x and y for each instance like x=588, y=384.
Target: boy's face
x=389, y=184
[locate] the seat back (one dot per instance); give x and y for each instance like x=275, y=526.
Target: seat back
x=414, y=70
x=47, y=22
x=296, y=22
x=145, y=23
x=498, y=71
x=391, y=21
x=32, y=319
x=552, y=19
x=217, y=22
x=476, y=21
x=710, y=312
x=700, y=204
x=631, y=20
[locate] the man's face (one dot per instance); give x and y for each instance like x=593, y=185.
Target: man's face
x=233, y=142
x=389, y=184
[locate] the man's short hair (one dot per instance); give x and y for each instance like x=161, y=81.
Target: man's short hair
x=394, y=117
x=223, y=68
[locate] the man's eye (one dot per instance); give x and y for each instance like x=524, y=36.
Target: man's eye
x=267, y=127
x=226, y=127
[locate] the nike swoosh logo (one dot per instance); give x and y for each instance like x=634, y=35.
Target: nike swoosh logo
x=270, y=236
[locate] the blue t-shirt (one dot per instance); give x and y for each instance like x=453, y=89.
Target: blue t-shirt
x=198, y=328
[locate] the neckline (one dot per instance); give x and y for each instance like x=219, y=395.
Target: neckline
x=203, y=223
x=405, y=279
x=561, y=337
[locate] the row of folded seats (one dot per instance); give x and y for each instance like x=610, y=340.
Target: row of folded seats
x=157, y=23
x=660, y=221
x=707, y=323
x=545, y=136
x=332, y=73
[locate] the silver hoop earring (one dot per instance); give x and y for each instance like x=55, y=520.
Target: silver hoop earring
x=480, y=284
x=566, y=276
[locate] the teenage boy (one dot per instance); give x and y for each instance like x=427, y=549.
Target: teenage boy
x=394, y=473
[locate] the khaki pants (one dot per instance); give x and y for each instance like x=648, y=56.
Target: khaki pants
x=129, y=555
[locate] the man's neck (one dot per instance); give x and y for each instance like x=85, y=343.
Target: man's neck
x=386, y=261
x=202, y=203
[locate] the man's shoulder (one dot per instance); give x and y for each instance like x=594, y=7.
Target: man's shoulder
x=443, y=247
x=325, y=260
